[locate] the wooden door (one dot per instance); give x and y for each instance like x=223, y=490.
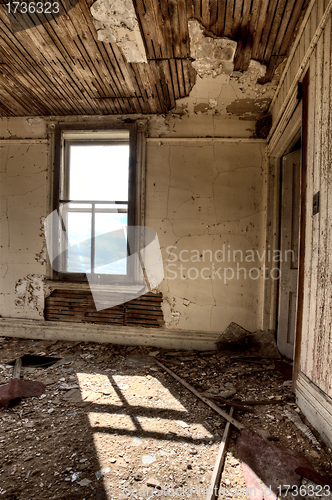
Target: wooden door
x=289, y=247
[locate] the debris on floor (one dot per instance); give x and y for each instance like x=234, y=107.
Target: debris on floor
x=296, y=419
x=236, y=340
x=110, y=426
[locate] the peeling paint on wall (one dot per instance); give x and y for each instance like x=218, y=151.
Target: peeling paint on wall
x=171, y=316
x=198, y=196
x=30, y=292
x=32, y=127
x=246, y=108
x=116, y=22
x=24, y=195
x=41, y=256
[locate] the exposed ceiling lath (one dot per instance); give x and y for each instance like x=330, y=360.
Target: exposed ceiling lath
x=58, y=65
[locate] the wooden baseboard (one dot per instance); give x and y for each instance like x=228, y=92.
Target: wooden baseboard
x=113, y=334
x=316, y=406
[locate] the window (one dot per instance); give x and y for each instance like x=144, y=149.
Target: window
x=98, y=194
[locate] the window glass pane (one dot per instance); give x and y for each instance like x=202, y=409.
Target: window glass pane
x=79, y=242
x=111, y=243
x=99, y=172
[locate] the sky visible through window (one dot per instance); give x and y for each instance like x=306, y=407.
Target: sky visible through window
x=99, y=173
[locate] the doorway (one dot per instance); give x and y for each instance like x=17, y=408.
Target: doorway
x=289, y=250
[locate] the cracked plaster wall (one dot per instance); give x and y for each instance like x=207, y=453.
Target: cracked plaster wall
x=208, y=197
x=198, y=197
x=23, y=181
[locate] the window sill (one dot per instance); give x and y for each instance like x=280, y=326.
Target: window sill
x=71, y=285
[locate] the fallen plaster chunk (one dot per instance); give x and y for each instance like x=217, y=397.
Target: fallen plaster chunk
x=136, y=441
x=84, y=482
x=255, y=71
x=100, y=473
x=116, y=22
x=213, y=56
x=225, y=391
x=236, y=341
x=148, y=459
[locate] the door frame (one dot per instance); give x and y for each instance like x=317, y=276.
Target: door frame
x=287, y=140
x=294, y=126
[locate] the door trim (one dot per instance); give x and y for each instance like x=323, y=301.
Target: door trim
x=300, y=292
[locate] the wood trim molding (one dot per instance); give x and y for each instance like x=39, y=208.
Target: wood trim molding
x=194, y=140
x=123, y=335
x=300, y=293
x=24, y=141
x=303, y=64
x=316, y=406
x=293, y=50
x=288, y=127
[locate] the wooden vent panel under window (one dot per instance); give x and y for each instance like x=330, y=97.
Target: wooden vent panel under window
x=79, y=307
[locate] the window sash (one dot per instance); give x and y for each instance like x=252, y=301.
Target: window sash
x=61, y=185
x=93, y=210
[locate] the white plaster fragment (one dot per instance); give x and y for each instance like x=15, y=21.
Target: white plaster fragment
x=212, y=103
x=158, y=126
x=213, y=56
x=115, y=21
x=249, y=78
x=21, y=287
x=36, y=121
x=166, y=307
x=106, y=36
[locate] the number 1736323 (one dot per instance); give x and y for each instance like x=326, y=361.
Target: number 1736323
x=33, y=7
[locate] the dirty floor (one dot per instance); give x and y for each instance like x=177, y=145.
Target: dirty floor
x=112, y=425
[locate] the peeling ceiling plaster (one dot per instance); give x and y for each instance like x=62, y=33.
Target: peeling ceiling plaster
x=116, y=22
x=212, y=55
x=219, y=90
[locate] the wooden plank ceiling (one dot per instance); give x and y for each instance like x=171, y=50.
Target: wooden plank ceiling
x=58, y=67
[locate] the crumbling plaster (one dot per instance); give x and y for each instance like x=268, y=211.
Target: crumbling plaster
x=116, y=22
x=23, y=180
x=223, y=102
